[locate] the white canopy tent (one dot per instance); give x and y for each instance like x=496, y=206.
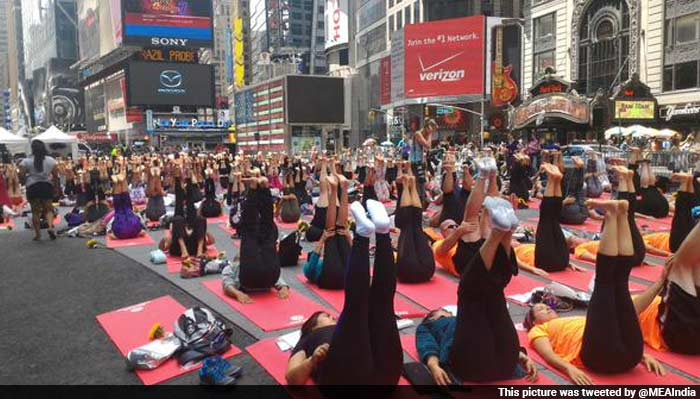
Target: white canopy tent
x=56, y=141
x=12, y=142
x=616, y=131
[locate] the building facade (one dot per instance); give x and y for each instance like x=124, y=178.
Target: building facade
x=15, y=62
x=5, y=103
x=598, y=44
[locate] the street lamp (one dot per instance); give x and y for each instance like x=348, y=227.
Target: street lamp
x=479, y=114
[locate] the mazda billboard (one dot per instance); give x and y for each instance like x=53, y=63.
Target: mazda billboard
x=164, y=83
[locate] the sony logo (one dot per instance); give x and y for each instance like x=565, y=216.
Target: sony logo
x=164, y=41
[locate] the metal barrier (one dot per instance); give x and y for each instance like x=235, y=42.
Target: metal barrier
x=663, y=161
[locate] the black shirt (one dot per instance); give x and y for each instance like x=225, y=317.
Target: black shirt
x=308, y=344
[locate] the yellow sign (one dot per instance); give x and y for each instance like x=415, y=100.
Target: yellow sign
x=635, y=110
x=239, y=53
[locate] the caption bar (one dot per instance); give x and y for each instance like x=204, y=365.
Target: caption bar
x=598, y=392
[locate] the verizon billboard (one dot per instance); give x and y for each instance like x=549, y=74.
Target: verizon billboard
x=445, y=58
x=336, y=13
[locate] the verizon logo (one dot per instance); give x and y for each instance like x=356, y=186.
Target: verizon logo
x=441, y=75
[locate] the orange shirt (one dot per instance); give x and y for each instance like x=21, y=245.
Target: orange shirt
x=526, y=253
x=651, y=328
x=566, y=336
x=659, y=241
x=590, y=248
x=445, y=260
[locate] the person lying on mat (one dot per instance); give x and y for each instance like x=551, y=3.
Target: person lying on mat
x=335, y=243
x=609, y=339
x=453, y=198
x=481, y=344
x=658, y=244
x=362, y=347
x=670, y=309
x=461, y=245
x=688, y=197
x=415, y=262
x=188, y=231
x=434, y=339
x=125, y=224
x=259, y=266
x=626, y=190
x=653, y=203
x=574, y=209
x=316, y=228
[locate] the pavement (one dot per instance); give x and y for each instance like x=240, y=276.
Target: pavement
x=66, y=285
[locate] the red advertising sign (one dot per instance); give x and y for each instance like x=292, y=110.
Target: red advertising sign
x=385, y=79
x=445, y=58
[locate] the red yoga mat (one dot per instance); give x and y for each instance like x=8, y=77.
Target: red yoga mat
x=581, y=280
x=686, y=363
x=218, y=219
x=268, y=311
x=644, y=272
x=534, y=203
x=228, y=230
x=174, y=263
x=57, y=220
x=128, y=328
x=591, y=226
x=408, y=342
x=287, y=226
x=653, y=226
x=144, y=240
x=637, y=376
x=434, y=294
x=336, y=298
x=274, y=361
x=10, y=225
x=521, y=284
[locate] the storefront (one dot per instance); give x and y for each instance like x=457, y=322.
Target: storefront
x=553, y=111
x=683, y=118
x=633, y=104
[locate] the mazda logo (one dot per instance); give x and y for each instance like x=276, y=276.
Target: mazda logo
x=171, y=79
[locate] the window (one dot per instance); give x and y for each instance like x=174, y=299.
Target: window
x=344, y=58
x=391, y=23
x=391, y=3
x=681, y=64
x=296, y=29
x=399, y=20
x=416, y=12
x=544, y=44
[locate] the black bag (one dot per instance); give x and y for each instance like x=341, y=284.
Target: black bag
x=202, y=335
x=289, y=250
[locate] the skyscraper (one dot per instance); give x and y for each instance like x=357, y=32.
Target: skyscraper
x=15, y=62
x=5, y=117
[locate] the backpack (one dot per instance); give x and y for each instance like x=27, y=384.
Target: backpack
x=289, y=250
x=202, y=335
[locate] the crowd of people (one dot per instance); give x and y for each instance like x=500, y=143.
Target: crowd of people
x=377, y=200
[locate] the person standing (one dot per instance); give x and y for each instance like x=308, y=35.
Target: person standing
x=39, y=170
x=421, y=143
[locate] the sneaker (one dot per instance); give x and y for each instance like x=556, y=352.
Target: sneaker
x=363, y=225
x=212, y=373
x=500, y=215
x=226, y=367
x=379, y=216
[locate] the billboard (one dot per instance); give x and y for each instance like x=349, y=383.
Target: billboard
x=385, y=80
x=165, y=83
x=182, y=23
x=336, y=15
x=315, y=100
x=635, y=110
x=95, y=117
x=445, y=58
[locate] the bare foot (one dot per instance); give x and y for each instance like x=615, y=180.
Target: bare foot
x=552, y=171
x=343, y=182
x=332, y=182
x=609, y=206
x=681, y=177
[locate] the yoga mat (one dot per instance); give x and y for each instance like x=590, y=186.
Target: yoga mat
x=534, y=203
x=57, y=220
x=218, y=219
x=521, y=285
x=274, y=361
x=10, y=225
x=644, y=272
x=581, y=280
x=128, y=328
x=686, y=363
x=287, y=226
x=653, y=226
x=225, y=228
x=174, y=263
x=144, y=240
x=434, y=294
x=408, y=343
x=591, y=226
x=268, y=311
x=336, y=298
x=637, y=376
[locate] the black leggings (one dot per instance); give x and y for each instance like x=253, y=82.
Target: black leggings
x=454, y=203
x=290, y=212
x=640, y=248
x=551, y=250
x=652, y=203
x=520, y=183
x=681, y=324
x=485, y=344
x=682, y=219
x=336, y=252
x=415, y=262
x=259, y=262
x=466, y=251
x=365, y=348
x=612, y=338
x=317, y=225
x=192, y=240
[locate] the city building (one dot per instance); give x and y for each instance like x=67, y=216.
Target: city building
x=378, y=109
x=5, y=104
x=50, y=48
x=240, y=21
x=221, y=55
x=286, y=37
x=19, y=110
x=600, y=44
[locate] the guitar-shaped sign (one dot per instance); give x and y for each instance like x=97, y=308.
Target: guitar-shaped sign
x=505, y=89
